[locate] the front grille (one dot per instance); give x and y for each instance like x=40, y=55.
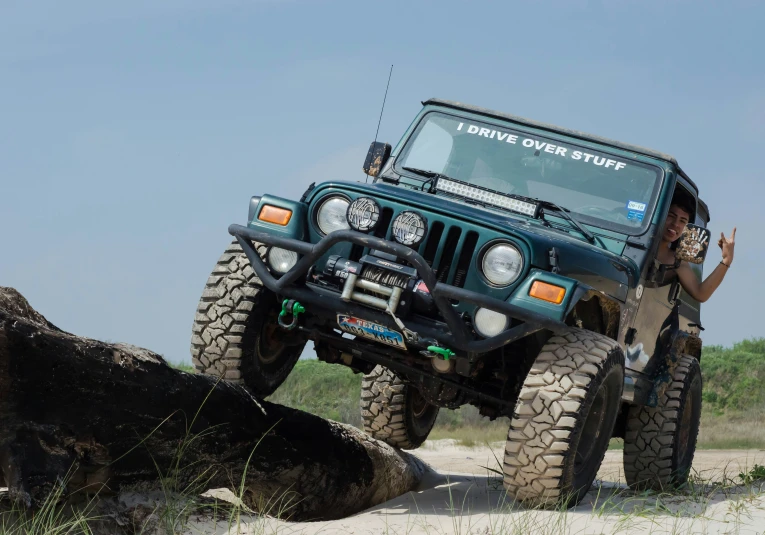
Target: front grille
x=446, y=248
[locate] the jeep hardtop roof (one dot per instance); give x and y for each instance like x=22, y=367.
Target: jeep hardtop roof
x=551, y=127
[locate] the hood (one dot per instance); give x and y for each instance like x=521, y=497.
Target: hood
x=578, y=259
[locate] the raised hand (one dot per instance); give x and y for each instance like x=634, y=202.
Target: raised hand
x=727, y=245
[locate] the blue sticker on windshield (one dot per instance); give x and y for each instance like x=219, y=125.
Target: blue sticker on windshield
x=634, y=206
x=635, y=215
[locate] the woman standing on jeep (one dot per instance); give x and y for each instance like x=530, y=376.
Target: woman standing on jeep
x=678, y=217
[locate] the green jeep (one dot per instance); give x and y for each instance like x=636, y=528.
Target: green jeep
x=493, y=261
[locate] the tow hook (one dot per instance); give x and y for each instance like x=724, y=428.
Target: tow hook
x=444, y=352
x=290, y=307
x=440, y=358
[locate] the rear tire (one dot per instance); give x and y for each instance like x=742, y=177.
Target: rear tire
x=660, y=441
x=564, y=419
x=235, y=334
x=395, y=412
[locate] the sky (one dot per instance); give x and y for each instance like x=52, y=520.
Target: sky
x=133, y=133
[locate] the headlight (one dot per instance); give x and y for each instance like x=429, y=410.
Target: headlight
x=281, y=260
x=331, y=214
x=502, y=264
x=489, y=323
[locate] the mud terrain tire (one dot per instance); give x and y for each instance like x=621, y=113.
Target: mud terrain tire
x=393, y=411
x=235, y=334
x=564, y=419
x=660, y=442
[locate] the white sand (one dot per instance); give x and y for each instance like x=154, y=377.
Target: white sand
x=464, y=496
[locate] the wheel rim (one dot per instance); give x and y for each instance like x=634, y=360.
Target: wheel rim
x=591, y=431
x=420, y=416
x=683, y=446
x=685, y=421
x=594, y=435
x=419, y=404
x=270, y=345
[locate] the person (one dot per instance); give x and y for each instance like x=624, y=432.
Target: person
x=678, y=217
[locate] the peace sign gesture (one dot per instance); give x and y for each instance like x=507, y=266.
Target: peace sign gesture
x=727, y=245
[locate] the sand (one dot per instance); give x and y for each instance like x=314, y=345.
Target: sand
x=464, y=495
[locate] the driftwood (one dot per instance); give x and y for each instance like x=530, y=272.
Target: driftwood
x=104, y=417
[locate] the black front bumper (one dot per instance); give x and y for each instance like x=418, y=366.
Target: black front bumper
x=455, y=334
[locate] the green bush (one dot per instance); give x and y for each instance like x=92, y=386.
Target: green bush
x=734, y=378
x=327, y=390
x=734, y=381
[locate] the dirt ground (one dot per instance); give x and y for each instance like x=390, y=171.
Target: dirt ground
x=464, y=496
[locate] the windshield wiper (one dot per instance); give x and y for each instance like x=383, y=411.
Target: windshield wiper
x=566, y=215
x=423, y=172
x=431, y=175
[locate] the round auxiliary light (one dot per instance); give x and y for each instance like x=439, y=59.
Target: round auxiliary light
x=489, y=323
x=363, y=214
x=331, y=214
x=281, y=260
x=502, y=264
x=409, y=228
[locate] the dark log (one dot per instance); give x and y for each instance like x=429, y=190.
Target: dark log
x=107, y=416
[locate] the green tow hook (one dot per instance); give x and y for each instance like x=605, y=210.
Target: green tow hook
x=445, y=353
x=293, y=308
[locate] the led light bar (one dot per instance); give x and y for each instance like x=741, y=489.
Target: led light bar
x=487, y=196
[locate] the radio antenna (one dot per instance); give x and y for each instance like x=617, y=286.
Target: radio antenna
x=383, y=104
x=383, y=108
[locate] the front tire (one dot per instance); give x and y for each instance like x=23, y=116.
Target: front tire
x=660, y=441
x=393, y=411
x=235, y=334
x=564, y=419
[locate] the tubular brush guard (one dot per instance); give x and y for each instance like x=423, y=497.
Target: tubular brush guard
x=457, y=334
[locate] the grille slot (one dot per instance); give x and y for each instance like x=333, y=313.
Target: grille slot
x=447, y=253
x=431, y=243
x=465, y=257
x=381, y=231
x=357, y=252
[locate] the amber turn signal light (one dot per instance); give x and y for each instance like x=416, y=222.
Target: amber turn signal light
x=547, y=292
x=275, y=215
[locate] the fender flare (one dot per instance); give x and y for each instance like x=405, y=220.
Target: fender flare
x=611, y=307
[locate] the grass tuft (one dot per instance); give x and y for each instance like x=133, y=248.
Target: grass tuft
x=54, y=517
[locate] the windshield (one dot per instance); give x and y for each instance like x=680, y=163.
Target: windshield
x=603, y=189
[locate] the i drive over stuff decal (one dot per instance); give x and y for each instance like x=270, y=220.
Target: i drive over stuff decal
x=542, y=146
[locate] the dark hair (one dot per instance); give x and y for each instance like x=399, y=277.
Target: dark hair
x=685, y=202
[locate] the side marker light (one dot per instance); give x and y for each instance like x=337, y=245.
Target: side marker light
x=275, y=215
x=547, y=292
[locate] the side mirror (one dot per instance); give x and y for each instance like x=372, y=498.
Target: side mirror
x=378, y=154
x=693, y=244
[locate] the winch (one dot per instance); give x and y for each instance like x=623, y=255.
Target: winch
x=378, y=282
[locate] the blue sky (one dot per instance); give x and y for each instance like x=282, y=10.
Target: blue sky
x=132, y=134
